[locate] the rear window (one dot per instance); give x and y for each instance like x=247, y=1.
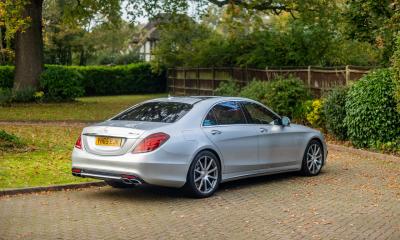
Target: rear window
x=167, y=112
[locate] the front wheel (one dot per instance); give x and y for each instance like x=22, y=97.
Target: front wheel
x=313, y=159
x=204, y=175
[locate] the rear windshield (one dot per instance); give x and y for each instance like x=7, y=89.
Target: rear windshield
x=167, y=112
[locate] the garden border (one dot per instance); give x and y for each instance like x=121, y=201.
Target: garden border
x=52, y=188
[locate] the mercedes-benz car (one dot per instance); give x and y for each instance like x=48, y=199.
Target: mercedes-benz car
x=195, y=143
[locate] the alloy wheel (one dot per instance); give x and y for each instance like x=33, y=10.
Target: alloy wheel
x=205, y=174
x=314, y=158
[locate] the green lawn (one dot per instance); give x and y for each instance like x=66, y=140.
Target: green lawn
x=84, y=109
x=49, y=161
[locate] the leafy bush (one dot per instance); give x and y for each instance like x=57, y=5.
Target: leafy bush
x=25, y=95
x=255, y=90
x=61, y=84
x=371, y=115
x=396, y=68
x=5, y=96
x=315, y=115
x=335, y=112
x=126, y=79
x=285, y=96
x=228, y=88
x=6, y=76
x=99, y=80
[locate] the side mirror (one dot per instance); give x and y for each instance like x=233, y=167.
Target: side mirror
x=285, y=121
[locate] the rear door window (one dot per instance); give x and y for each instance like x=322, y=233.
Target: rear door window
x=227, y=113
x=167, y=112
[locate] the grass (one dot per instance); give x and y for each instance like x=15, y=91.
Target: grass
x=48, y=162
x=84, y=109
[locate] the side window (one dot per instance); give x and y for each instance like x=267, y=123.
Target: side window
x=210, y=119
x=258, y=114
x=228, y=113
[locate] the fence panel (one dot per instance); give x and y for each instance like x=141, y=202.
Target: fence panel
x=203, y=81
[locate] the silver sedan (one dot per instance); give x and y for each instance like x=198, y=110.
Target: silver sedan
x=195, y=143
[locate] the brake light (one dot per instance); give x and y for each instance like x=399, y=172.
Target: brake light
x=78, y=143
x=151, y=143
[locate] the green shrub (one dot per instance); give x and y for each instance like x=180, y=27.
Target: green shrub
x=104, y=80
x=228, y=88
x=61, y=84
x=371, y=115
x=285, y=96
x=126, y=79
x=396, y=68
x=6, y=76
x=255, y=90
x=335, y=112
x=301, y=112
x=25, y=95
x=5, y=96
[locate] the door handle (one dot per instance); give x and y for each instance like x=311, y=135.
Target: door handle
x=213, y=132
x=263, y=130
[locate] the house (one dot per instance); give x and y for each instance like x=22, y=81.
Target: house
x=149, y=35
x=147, y=40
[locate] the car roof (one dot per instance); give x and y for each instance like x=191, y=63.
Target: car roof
x=196, y=99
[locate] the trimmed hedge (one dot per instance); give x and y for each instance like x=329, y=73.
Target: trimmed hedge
x=61, y=84
x=371, y=116
x=6, y=76
x=105, y=80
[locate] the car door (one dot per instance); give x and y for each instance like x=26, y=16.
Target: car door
x=278, y=145
x=226, y=126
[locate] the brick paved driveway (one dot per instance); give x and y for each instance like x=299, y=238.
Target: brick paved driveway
x=354, y=198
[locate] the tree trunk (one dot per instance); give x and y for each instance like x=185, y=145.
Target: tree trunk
x=29, y=49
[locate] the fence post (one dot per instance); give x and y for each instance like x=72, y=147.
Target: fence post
x=309, y=77
x=184, y=82
x=198, y=80
x=213, y=81
x=347, y=75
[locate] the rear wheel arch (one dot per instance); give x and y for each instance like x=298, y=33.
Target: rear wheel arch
x=209, y=150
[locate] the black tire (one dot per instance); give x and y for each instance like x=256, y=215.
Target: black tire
x=312, y=166
x=192, y=186
x=118, y=184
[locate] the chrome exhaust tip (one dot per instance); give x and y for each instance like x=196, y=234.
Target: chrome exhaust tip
x=131, y=181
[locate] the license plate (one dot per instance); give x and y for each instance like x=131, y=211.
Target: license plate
x=108, y=141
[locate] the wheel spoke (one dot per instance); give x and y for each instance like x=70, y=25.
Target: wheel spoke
x=213, y=170
x=201, y=165
x=209, y=165
x=197, y=179
x=318, y=150
x=208, y=181
x=212, y=177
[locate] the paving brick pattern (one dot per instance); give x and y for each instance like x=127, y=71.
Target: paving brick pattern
x=354, y=198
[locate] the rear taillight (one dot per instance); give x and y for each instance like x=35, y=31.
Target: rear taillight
x=78, y=143
x=151, y=143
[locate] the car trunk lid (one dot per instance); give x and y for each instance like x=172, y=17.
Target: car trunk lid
x=112, y=138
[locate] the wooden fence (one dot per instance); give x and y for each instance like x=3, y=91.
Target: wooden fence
x=204, y=81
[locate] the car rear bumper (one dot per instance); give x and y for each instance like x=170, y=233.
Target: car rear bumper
x=157, y=168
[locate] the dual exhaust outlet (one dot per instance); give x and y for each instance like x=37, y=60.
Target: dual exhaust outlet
x=134, y=181
x=125, y=178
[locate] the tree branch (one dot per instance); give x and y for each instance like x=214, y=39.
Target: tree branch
x=260, y=6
